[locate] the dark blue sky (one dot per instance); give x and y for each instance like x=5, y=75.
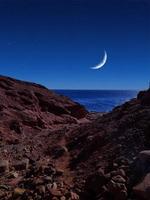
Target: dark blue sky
x=55, y=42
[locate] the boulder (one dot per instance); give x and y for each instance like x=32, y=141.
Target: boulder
x=143, y=162
x=117, y=190
x=142, y=190
x=95, y=182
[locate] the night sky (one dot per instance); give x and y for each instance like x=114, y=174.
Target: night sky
x=56, y=42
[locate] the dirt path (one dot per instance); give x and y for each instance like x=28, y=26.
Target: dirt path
x=63, y=163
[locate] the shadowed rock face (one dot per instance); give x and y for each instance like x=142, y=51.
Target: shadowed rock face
x=113, y=142
x=24, y=105
x=28, y=111
x=144, y=97
x=52, y=148
x=33, y=125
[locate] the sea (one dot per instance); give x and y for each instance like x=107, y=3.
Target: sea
x=99, y=100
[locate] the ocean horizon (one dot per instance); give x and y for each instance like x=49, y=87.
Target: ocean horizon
x=99, y=100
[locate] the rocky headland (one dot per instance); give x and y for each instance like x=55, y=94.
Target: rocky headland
x=53, y=148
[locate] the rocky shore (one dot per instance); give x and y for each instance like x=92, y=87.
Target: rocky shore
x=52, y=148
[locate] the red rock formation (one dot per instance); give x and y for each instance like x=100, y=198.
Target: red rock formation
x=52, y=148
x=26, y=106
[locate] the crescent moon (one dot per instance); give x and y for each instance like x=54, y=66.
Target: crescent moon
x=102, y=63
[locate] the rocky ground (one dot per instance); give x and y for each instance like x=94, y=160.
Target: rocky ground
x=52, y=148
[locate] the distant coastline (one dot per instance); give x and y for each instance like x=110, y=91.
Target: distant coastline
x=99, y=100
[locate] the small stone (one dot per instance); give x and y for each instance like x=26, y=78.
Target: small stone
x=101, y=172
x=124, y=161
x=18, y=192
x=124, y=167
x=5, y=187
x=4, y=166
x=5, y=151
x=115, y=165
x=54, y=186
x=21, y=165
x=41, y=189
x=2, y=194
x=48, y=170
x=108, y=176
x=27, y=150
x=58, y=151
x=13, y=175
x=54, y=192
x=122, y=195
x=74, y=196
x=16, y=126
x=59, y=172
x=61, y=184
x=119, y=179
x=63, y=198
x=121, y=172
x=38, y=181
x=14, y=182
x=48, y=179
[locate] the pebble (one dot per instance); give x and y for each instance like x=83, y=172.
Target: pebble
x=119, y=179
x=13, y=175
x=5, y=187
x=21, y=165
x=63, y=198
x=59, y=172
x=74, y=196
x=41, y=189
x=4, y=166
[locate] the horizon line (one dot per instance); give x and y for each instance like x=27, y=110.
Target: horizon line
x=97, y=89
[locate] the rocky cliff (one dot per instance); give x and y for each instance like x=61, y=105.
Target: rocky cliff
x=52, y=148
